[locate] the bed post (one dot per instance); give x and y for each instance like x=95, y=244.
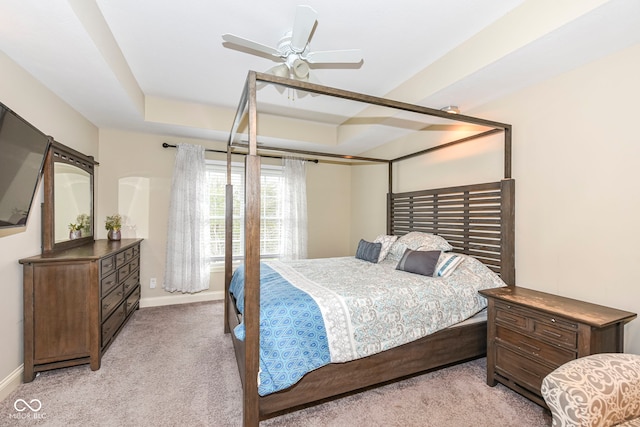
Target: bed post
x=228, y=240
x=507, y=151
x=508, y=267
x=251, y=410
x=389, y=196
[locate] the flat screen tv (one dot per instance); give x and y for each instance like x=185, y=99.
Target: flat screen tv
x=22, y=152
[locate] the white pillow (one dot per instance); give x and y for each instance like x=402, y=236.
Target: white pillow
x=447, y=263
x=387, y=242
x=417, y=240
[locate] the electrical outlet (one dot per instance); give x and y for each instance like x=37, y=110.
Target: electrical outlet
x=152, y=282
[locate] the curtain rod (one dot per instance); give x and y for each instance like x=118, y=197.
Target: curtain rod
x=166, y=145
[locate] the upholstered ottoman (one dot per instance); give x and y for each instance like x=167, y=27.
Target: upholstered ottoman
x=599, y=390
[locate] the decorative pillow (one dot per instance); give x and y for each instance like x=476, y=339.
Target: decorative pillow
x=387, y=242
x=417, y=240
x=447, y=263
x=419, y=262
x=368, y=251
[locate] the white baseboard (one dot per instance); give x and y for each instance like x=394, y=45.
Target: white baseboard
x=181, y=299
x=11, y=382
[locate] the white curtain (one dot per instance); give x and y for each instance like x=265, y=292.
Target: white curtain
x=293, y=244
x=188, y=249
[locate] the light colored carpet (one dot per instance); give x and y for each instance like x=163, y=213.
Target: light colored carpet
x=173, y=366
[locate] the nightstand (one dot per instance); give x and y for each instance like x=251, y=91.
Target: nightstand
x=530, y=333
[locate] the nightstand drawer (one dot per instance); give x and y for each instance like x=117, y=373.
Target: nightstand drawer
x=521, y=370
x=534, y=347
x=510, y=315
x=558, y=331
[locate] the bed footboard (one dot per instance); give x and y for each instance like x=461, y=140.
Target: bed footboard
x=443, y=348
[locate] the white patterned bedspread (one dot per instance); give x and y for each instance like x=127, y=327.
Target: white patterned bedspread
x=368, y=308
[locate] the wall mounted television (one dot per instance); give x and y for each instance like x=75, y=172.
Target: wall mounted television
x=22, y=152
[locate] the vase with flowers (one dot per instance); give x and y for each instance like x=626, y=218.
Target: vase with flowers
x=113, y=224
x=84, y=222
x=75, y=231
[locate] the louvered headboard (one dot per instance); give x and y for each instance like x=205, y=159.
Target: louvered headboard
x=477, y=220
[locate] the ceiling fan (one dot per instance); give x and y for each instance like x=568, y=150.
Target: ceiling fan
x=293, y=48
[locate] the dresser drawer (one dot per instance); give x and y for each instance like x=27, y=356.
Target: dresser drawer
x=520, y=370
x=533, y=347
x=108, y=283
x=111, y=325
x=135, y=263
x=131, y=281
x=123, y=272
x=132, y=300
x=121, y=259
x=107, y=265
x=111, y=301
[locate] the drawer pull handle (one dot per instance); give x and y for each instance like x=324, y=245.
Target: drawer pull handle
x=552, y=333
x=510, y=318
x=529, y=372
x=531, y=346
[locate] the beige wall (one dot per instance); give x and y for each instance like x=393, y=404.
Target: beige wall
x=36, y=104
x=125, y=155
x=328, y=210
x=576, y=152
x=369, y=186
x=575, y=162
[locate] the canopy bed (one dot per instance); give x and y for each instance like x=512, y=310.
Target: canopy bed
x=475, y=221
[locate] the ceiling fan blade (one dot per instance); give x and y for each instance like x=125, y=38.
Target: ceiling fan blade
x=335, y=56
x=249, y=44
x=303, y=25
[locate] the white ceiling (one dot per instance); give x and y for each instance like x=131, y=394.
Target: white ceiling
x=119, y=62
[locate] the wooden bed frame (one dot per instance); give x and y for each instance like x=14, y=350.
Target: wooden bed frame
x=477, y=220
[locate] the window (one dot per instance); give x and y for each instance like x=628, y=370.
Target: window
x=271, y=183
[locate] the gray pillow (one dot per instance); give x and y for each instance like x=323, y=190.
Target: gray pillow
x=368, y=251
x=419, y=262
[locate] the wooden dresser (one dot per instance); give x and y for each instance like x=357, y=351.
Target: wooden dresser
x=530, y=333
x=76, y=301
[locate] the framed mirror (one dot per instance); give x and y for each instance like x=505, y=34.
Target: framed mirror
x=68, y=210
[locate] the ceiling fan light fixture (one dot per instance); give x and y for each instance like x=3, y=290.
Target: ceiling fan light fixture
x=300, y=69
x=280, y=71
x=451, y=109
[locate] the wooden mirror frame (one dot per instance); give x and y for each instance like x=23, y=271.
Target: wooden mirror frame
x=61, y=153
